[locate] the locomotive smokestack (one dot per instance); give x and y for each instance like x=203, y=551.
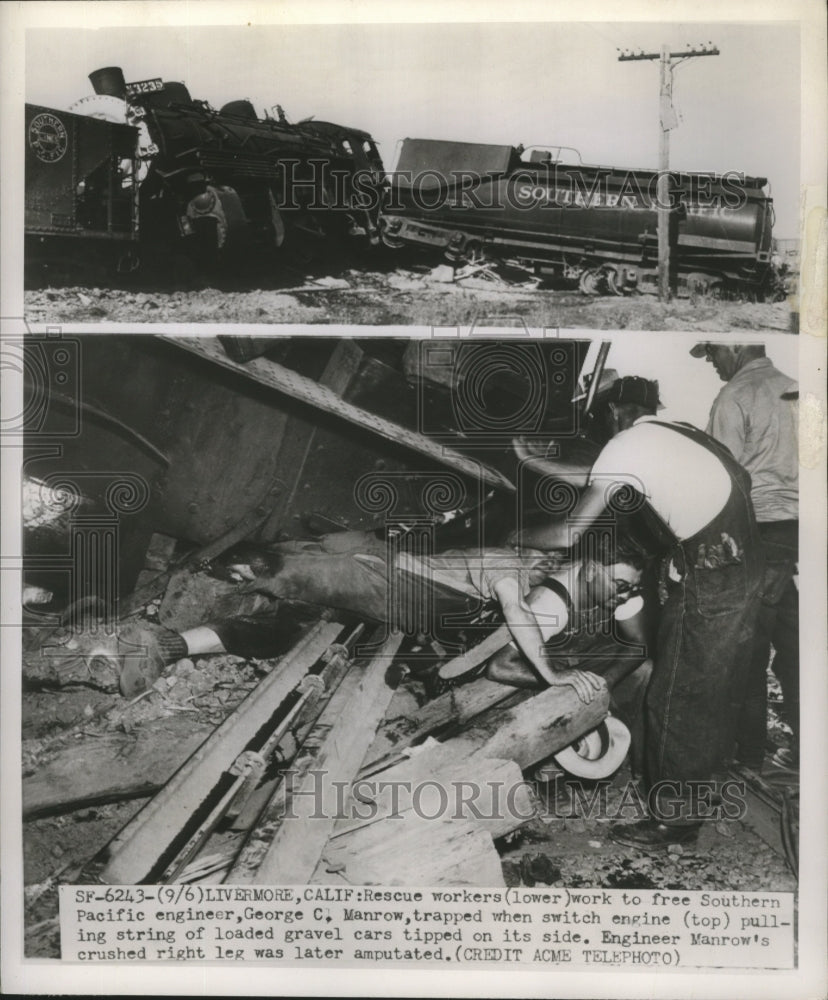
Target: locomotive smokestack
x=109, y=81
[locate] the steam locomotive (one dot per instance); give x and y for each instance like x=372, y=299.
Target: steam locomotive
x=589, y=226
x=142, y=169
x=143, y=173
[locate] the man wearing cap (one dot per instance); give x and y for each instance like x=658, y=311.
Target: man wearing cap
x=755, y=416
x=695, y=499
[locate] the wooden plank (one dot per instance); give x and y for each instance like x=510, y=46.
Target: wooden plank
x=489, y=791
x=420, y=853
x=270, y=373
x=539, y=726
x=525, y=733
x=136, y=852
x=295, y=851
x=301, y=432
x=113, y=767
x=275, y=812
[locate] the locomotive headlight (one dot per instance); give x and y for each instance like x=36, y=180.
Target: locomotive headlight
x=80, y=189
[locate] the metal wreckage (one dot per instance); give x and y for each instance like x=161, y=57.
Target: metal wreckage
x=142, y=175
x=235, y=440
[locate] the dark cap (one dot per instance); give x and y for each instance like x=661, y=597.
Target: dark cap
x=700, y=350
x=633, y=389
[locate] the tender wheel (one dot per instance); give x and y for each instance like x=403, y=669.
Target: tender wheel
x=613, y=280
x=589, y=282
x=391, y=242
x=699, y=283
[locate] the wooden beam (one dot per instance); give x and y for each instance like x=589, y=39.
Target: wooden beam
x=454, y=708
x=295, y=851
x=490, y=791
x=525, y=733
x=451, y=852
x=540, y=726
x=290, y=383
x=148, y=839
x=300, y=433
x=113, y=767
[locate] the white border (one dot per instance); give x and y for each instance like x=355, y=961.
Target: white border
x=809, y=980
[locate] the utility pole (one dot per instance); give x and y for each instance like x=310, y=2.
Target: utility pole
x=667, y=120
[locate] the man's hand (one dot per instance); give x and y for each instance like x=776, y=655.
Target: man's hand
x=544, y=458
x=586, y=684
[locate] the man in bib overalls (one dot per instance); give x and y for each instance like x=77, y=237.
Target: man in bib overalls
x=698, y=511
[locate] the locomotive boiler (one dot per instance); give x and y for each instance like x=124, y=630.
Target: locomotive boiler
x=148, y=164
x=588, y=226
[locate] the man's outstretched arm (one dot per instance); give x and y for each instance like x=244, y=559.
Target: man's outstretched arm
x=527, y=634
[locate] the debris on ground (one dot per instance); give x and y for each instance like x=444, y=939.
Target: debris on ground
x=478, y=294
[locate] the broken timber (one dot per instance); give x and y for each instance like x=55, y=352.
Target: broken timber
x=525, y=734
x=448, y=711
x=476, y=782
x=418, y=852
x=148, y=842
x=270, y=373
x=112, y=768
x=296, y=849
x=490, y=754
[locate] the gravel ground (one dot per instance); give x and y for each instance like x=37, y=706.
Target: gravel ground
x=404, y=297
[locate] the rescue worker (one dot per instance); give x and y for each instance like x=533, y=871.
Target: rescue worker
x=697, y=503
x=755, y=415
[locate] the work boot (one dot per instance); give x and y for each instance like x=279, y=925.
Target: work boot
x=128, y=659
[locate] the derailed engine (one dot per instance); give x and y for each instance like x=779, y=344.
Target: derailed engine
x=230, y=185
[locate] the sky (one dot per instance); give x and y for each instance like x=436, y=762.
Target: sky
x=687, y=385
x=530, y=83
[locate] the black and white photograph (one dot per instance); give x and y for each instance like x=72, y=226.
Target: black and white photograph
x=357, y=612
x=453, y=174
x=413, y=499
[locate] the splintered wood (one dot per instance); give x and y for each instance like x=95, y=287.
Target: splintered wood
x=430, y=818
x=367, y=796
x=136, y=853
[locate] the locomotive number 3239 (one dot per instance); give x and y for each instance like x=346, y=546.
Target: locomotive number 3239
x=144, y=87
